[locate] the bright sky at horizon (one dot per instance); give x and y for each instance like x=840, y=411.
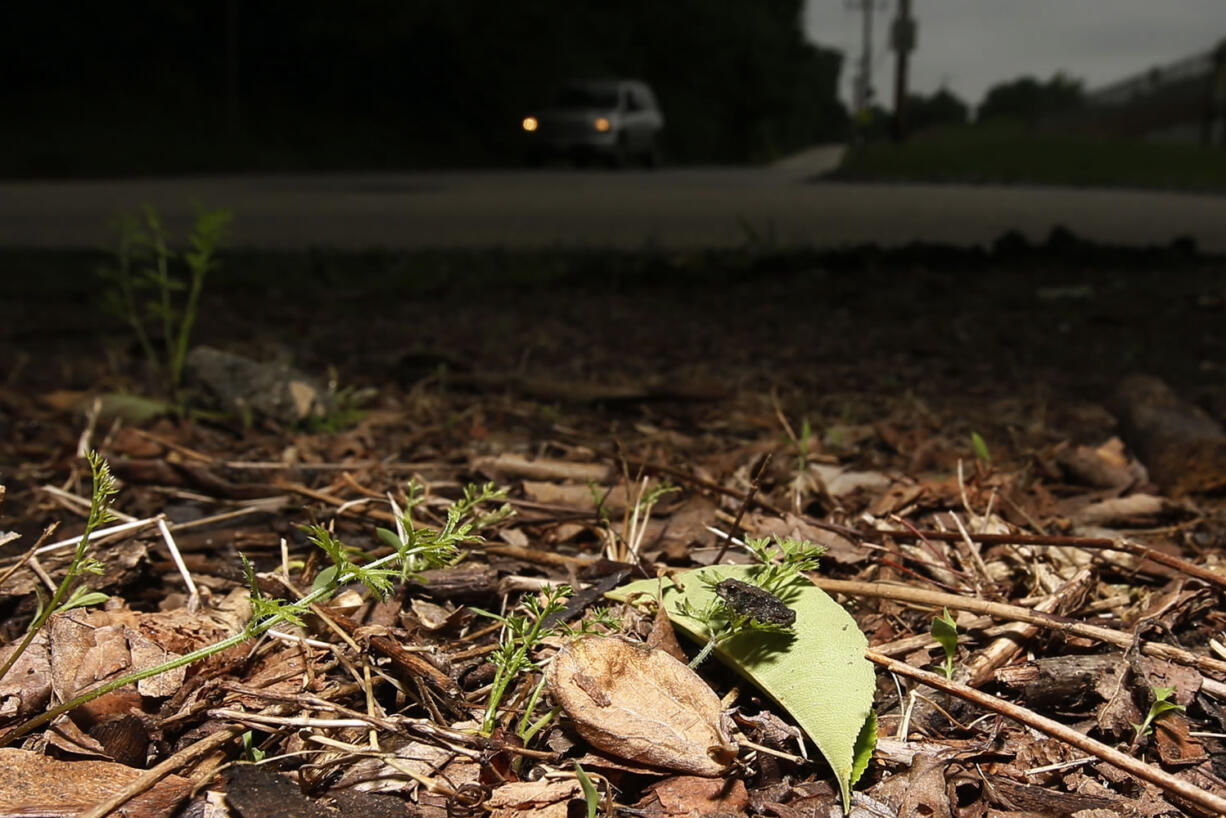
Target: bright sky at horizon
x=970, y=45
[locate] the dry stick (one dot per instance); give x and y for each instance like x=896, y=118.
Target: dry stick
x=81, y=502
x=1000, y=652
x=28, y=555
x=1000, y=610
x=358, y=464
x=755, y=483
x=193, y=595
x=147, y=779
x=1140, y=769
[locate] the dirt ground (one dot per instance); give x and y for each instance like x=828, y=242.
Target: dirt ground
x=867, y=365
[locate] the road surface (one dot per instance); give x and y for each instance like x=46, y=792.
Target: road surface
x=672, y=208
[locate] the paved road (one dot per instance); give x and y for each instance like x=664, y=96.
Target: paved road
x=690, y=207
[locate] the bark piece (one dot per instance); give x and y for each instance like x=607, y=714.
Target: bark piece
x=1183, y=448
x=1066, y=682
x=642, y=705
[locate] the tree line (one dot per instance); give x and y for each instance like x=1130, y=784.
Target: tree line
x=177, y=85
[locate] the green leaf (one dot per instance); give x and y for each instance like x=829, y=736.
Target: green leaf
x=389, y=538
x=817, y=672
x=589, y=791
x=980, y=447
x=132, y=408
x=325, y=578
x=82, y=598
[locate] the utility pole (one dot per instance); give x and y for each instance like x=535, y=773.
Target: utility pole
x=862, y=91
x=902, y=40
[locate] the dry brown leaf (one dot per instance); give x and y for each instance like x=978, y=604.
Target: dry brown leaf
x=687, y=795
x=35, y=784
x=642, y=705
x=577, y=497
x=540, y=798
x=26, y=688
x=920, y=792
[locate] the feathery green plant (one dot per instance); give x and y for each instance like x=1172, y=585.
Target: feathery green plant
x=522, y=633
x=415, y=549
x=779, y=565
x=144, y=284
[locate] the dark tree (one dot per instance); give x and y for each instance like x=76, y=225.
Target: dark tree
x=942, y=108
x=1029, y=99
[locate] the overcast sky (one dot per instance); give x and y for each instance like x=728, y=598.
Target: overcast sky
x=970, y=45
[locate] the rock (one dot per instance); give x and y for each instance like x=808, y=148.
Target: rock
x=250, y=388
x=1183, y=448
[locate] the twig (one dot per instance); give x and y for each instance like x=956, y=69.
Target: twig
x=975, y=568
x=28, y=555
x=979, y=669
x=82, y=503
x=349, y=466
x=91, y=423
x=193, y=595
x=99, y=534
x=755, y=481
x=1123, y=639
x=1136, y=767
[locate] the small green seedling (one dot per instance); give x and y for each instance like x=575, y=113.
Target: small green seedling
x=980, y=447
x=802, y=445
x=252, y=751
x=945, y=630
x=70, y=593
x=739, y=606
x=522, y=633
x=589, y=791
x=1160, y=707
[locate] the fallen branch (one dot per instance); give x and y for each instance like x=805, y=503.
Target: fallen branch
x=1146, y=772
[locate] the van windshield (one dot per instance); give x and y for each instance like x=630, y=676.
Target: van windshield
x=587, y=96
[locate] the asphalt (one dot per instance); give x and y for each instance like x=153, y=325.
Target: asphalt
x=779, y=205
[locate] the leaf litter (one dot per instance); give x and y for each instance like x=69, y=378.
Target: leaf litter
x=1083, y=584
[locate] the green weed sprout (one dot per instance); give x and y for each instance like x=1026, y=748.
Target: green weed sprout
x=1160, y=707
x=521, y=634
x=945, y=630
x=723, y=618
x=418, y=550
x=70, y=593
x=590, y=794
x=980, y=446
x=144, y=284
